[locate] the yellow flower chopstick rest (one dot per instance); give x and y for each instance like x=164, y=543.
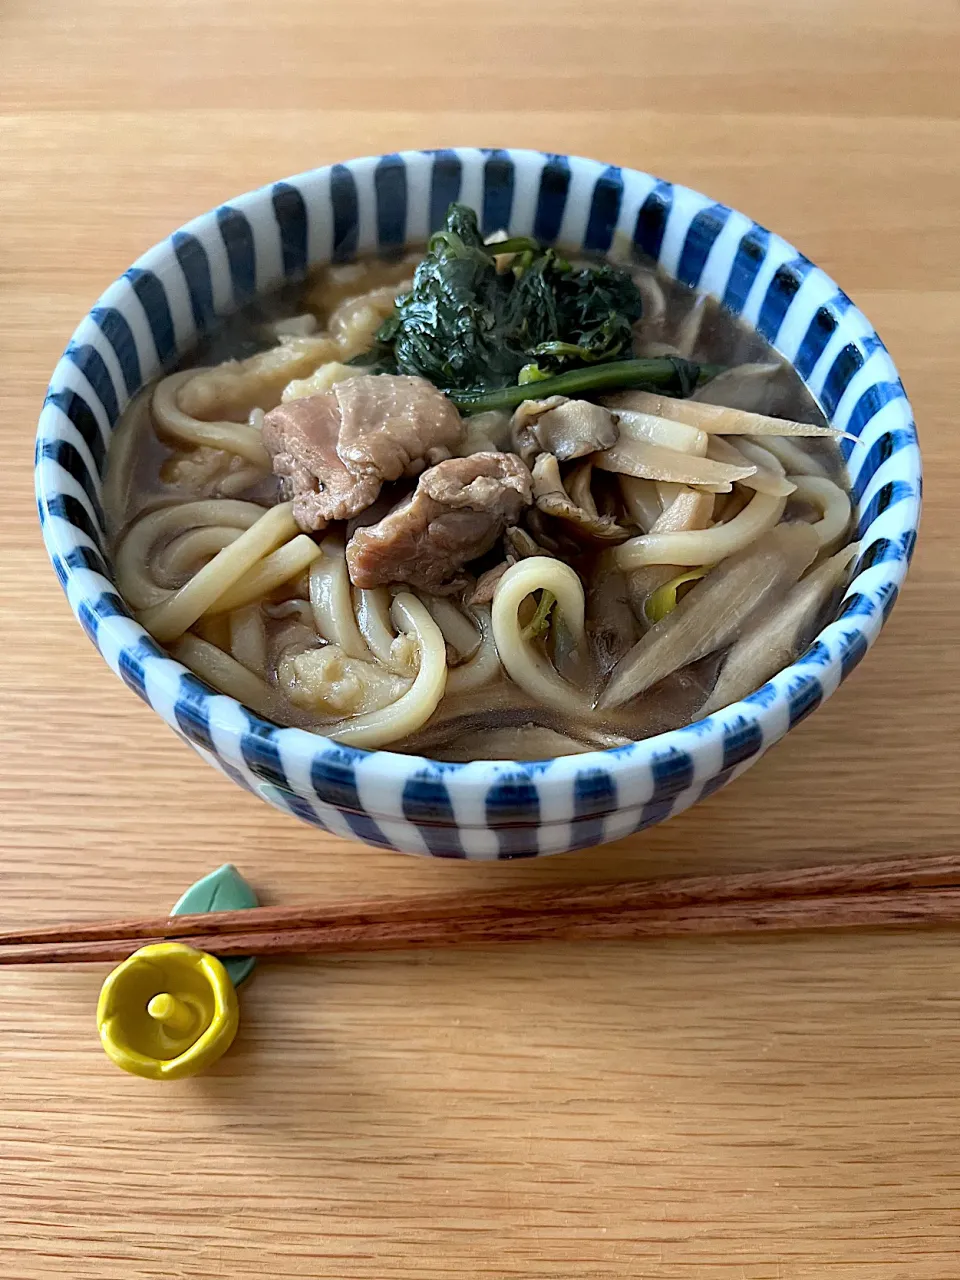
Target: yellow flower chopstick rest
x=167, y=1012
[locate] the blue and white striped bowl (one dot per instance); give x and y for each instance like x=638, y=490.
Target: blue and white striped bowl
x=483, y=810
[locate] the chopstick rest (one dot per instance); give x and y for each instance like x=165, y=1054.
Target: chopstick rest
x=169, y=1010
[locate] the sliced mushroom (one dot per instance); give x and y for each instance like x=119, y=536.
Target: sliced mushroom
x=552, y=499
x=575, y=429
x=525, y=418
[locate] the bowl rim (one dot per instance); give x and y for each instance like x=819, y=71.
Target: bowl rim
x=774, y=708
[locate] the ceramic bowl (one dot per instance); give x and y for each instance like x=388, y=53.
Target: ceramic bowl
x=482, y=810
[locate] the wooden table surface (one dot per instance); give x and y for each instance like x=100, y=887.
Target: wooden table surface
x=718, y=1110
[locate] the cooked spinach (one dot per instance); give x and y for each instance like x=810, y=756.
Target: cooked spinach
x=672, y=375
x=468, y=327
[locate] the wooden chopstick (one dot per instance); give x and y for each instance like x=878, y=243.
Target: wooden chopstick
x=909, y=908
x=888, y=892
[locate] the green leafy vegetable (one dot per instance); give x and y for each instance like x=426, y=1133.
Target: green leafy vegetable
x=541, y=619
x=666, y=598
x=467, y=327
x=669, y=374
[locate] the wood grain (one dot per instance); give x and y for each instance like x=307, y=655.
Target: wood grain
x=711, y=1110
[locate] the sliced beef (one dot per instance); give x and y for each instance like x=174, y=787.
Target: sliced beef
x=457, y=512
x=393, y=426
x=302, y=438
x=333, y=451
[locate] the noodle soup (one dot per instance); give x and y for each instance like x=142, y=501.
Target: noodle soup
x=480, y=503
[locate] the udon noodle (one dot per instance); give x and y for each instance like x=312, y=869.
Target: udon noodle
x=555, y=575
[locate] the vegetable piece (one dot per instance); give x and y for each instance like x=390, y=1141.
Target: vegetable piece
x=669, y=373
x=469, y=323
x=672, y=435
x=714, y=418
x=690, y=509
x=654, y=462
x=612, y=626
x=715, y=611
x=664, y=600
x=778, y=636
x=540, y=621
x=704, y=546
x=641, y=501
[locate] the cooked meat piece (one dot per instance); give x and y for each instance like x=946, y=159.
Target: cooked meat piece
x=392, y=424
x=302, y=437
x=483, y=592
x=334, y=450
x=520, y=545
x=458, y=510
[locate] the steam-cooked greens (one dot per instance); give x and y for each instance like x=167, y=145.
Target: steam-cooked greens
x=473, y=328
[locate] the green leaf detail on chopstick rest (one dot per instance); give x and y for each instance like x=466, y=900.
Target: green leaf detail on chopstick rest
x=222, y=890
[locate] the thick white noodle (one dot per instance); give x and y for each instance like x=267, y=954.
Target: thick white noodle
x=239, y=481
x=248, y=638
x=484, y=667
x=227, y=675
x=415, y=707
x=524, y=663
x=459, y=631
x=702, y=546
x=184, y=554
x=373, y=619
x=173, y=616
x=133, y=558
x=286, y=609
x=272, y=571
x=234, y=437
x=331, y=598
x=793, y=457
x=833, y=504
x=768, y=476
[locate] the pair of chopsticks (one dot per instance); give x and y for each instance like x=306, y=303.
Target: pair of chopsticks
x=892, y=892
